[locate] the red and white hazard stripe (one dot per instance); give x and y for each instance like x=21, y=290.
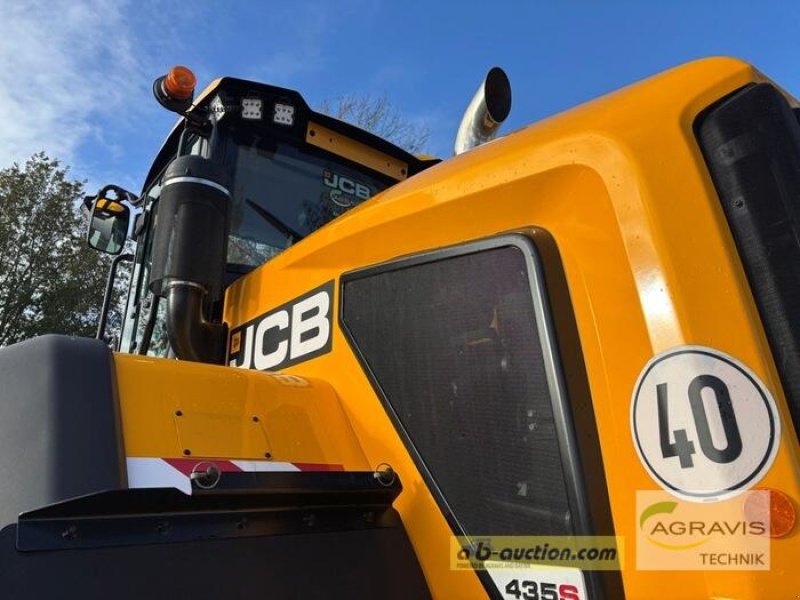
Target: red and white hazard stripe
x=148, y=472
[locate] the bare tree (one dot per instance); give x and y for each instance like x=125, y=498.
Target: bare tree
x=378, y=115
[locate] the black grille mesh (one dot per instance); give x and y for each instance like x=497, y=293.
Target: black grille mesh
x=454, y=347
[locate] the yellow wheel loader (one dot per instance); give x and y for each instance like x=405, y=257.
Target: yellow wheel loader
x=345, y=371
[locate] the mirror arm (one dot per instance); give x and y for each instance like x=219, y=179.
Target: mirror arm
x=121, y=193
x=112, y=275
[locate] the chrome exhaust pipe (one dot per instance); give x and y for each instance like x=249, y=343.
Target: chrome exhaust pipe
x=486, y=112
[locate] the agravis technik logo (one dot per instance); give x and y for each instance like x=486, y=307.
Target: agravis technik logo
x=679, y=535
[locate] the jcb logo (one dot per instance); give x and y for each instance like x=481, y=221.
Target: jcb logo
x=348, y=186
x=292, y=333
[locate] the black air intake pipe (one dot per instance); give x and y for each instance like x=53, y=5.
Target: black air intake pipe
x=189, y=253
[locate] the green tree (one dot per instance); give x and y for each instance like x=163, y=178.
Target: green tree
x=50, y=281
x=378, y=115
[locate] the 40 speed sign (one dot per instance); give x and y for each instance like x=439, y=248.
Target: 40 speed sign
x=704, y=426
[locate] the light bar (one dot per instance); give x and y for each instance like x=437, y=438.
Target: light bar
x=251, y=108
x=283, y=114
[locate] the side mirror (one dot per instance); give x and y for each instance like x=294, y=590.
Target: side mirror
x=108, y=225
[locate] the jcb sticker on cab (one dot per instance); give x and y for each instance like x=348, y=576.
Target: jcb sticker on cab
x=289, y=334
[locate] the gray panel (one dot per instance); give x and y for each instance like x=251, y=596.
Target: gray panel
x=59, y=423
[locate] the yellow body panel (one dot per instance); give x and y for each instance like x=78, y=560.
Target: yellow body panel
x=621, y=186
x=334, y=142
x=172, y=409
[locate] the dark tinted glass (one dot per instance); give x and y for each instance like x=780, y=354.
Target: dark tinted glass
x=282, y=193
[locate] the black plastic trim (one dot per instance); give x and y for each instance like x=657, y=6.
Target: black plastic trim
x=239, y=505
x=750, y=141
x=314, y=535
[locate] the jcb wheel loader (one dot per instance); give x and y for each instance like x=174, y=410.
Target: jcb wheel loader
x=345, y=371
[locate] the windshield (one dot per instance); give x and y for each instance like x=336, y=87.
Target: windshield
x=281, y=194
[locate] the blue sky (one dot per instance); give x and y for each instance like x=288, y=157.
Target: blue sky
x=75, y=77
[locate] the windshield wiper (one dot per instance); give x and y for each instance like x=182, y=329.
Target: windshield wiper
x=275, y=222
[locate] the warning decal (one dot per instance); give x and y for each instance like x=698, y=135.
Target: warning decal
x=703, y=424
x=152, y=472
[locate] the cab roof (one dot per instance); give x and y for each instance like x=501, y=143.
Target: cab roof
x=233, y=90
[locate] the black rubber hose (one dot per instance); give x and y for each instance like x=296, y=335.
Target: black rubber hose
x=191, y=336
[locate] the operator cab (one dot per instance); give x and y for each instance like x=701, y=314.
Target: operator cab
x=290, y=171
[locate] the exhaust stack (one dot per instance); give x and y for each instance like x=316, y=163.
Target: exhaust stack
x=486, y=112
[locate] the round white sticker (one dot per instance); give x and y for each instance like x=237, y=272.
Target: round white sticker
x=703, y=424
